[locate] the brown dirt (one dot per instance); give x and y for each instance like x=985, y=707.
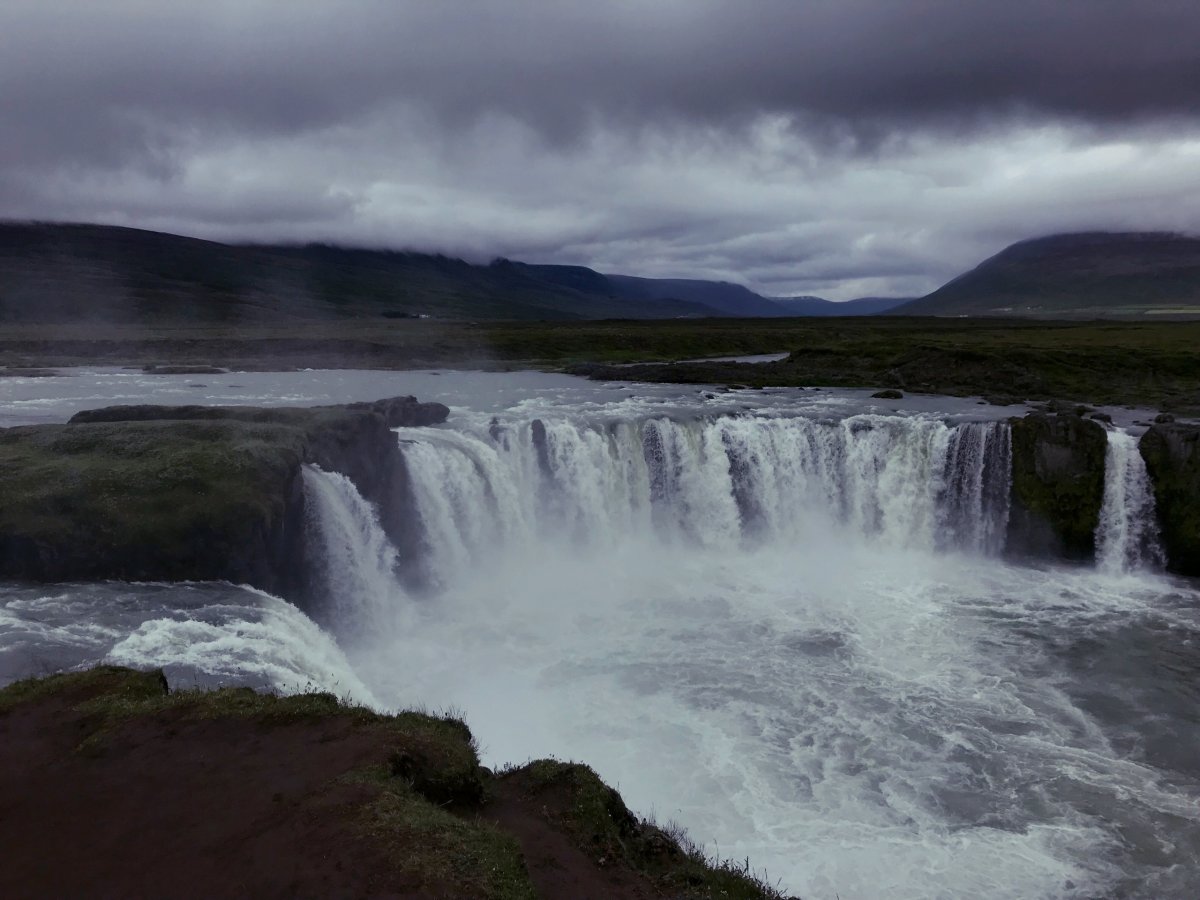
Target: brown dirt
x=556, y=865
x=167, y=805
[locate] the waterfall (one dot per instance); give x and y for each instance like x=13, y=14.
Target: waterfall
x=978, y=476
x=353, y=559
x=1127, y=537
x=725, y=483
x=721, y=483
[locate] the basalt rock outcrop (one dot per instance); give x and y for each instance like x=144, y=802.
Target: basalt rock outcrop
x=1172, y=454
x=183, y=493
x=1057, y=485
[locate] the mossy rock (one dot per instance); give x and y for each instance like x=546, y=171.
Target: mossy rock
x=1057, y=485
x=1172, y=455
x=190, y=492
x=438, y=759
x=150, y=500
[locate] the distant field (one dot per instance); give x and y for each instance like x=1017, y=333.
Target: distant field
x=1153, y=363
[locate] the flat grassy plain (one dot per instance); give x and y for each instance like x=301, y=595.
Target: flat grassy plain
x=1155, y=364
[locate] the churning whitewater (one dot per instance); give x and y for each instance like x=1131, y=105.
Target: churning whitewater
x=784, y=619
x=797, y=636
x=719, y=484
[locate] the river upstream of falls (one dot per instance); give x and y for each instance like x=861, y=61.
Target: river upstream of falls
x=783, y=619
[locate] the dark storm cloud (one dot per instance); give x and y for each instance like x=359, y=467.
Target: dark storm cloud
x=122, y=68
x=798, y=145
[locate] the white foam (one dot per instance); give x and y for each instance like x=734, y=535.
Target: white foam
x=355, y=558
x=1127, y=536
x=278, y=645
x=856, y=720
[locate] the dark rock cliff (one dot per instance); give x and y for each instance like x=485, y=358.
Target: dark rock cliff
x=1057, y=485
x=175, y=493
x=1172, y=455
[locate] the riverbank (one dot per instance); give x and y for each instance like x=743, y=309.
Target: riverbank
x=1116, y=363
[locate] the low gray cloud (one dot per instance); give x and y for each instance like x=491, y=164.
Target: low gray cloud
x=831, y=146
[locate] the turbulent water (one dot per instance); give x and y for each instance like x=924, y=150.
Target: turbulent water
x=783, y=619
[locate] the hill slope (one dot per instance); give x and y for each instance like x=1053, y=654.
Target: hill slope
x=729, y=299
x=70, y=273
x=1091, y=275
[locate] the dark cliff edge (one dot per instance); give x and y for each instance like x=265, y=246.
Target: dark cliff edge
x=1057, y=486
x=1172, y=455
x=343, y=802
x=166, y=493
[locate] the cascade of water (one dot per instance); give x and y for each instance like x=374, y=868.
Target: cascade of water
x=354, y=557
x=976, y=499
x=1127, y=538
x=715, y=483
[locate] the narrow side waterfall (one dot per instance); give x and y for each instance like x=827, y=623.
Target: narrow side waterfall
x=353, y=558
x=719, y=484
x=1127, y=538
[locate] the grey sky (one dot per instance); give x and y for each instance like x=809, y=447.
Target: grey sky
x=837, y=147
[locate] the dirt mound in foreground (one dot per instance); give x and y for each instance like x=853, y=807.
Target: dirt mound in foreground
x=113, y=786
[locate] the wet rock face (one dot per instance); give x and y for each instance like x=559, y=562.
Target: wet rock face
x=1057, y=485
x=1172, y=455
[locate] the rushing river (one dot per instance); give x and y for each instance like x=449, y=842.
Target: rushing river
x=783, y=619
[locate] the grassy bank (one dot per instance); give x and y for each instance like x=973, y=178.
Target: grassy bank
x=115, y=783
x=1153, y=364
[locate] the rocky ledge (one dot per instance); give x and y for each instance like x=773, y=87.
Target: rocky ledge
x=1057, y=485
x=189, y=493
x=1172, y=454
x=1058, y=475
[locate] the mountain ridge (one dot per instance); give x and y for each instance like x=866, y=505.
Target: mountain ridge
x=84, y=272
x=1093, y=274
x=78, y=272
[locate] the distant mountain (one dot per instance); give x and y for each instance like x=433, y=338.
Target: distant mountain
x=1091, y=275
x=726, y=298
x=58, y=273
x=80, y=273
x=817, y=306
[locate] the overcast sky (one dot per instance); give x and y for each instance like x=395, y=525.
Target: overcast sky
x=833, y=147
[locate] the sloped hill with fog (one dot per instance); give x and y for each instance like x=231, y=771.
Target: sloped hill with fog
x=1077, y=276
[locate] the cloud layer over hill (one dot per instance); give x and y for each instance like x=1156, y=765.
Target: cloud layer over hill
x=834, y=148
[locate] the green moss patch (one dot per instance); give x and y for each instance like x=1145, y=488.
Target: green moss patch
x=574, y=797
x=141, y=500
x=432, y=844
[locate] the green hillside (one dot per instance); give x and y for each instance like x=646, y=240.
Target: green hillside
x=72, y=273
x=1077, y=276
